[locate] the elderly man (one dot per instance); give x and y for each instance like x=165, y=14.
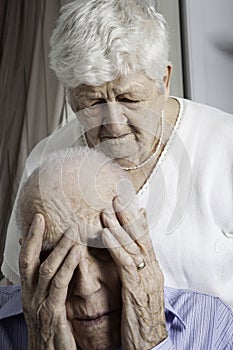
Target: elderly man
x=98, y=286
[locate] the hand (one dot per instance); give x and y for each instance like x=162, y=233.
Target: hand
x=127, y=239
x=44, y=289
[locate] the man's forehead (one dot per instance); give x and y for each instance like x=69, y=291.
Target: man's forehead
x=87, y=234
x=77, y=196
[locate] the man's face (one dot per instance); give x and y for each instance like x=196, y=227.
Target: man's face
x=94, y=301
x=94, y=294
x=121, y=117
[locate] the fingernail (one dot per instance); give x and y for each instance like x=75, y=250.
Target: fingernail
x=37, y=219
x=119, y=200
x=130, y=204
x=109, y=216
x=106, y=234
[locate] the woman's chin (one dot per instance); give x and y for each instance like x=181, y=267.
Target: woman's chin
x=123, y=152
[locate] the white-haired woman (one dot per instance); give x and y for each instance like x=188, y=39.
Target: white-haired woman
x=113, y=58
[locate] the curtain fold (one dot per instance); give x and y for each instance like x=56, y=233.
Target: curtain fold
x=31, y=99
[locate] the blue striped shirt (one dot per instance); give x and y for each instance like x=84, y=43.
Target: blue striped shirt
x=195, y=321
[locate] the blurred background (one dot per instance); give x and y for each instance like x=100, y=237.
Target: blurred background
x=32, y=102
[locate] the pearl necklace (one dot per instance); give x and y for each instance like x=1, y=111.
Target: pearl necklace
x=152, y=156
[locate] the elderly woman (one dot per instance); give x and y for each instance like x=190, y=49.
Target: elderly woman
x=112, y=56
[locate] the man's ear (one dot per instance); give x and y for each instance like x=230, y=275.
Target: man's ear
x=167, y=80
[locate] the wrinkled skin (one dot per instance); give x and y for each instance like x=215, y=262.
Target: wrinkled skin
x=47, y=287
x=122, y=116
x=44, y=294
x=143, y=318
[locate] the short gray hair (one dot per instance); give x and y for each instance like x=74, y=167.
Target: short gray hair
x=96, y=41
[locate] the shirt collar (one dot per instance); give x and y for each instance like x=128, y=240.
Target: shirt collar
x=171, y=313
x=10, y=302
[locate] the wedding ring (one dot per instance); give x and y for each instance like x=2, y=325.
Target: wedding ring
x=141, y=265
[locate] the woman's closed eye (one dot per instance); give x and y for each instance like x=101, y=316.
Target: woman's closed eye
x=127, y=100
x=98, y=102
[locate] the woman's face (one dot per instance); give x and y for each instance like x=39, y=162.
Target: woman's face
x=122, y=117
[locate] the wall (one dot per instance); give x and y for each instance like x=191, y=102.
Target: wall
x=170, y=10
x=208, y=48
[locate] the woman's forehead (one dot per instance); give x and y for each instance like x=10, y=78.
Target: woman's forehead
x=135, y=82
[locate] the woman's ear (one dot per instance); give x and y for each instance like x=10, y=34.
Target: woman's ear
x=167, y=80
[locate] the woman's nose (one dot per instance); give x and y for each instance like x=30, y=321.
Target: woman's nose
x=114, y=118
x=87, y=279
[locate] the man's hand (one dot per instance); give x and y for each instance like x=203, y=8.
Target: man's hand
x=127, y=239
x=44, y=289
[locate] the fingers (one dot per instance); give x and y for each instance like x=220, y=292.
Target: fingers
x=60, y=283
x=120, y=237
x=134, y=221
x=57, y=258
x=135, y=269
x=126, y=256
x=29, y=261
x=123, y=260
x=127, y=239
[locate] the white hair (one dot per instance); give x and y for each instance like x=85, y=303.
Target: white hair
x=96, y=41
x=66, y=188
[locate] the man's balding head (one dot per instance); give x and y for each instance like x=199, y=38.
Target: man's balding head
x=70, y=188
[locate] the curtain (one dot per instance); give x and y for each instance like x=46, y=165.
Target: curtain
x=32, y=102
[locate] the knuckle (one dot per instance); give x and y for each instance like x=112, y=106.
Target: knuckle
x=45, y=270
x=24, y=262
x=58, y=282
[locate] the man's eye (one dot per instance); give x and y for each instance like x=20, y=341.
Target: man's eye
x=44, y=255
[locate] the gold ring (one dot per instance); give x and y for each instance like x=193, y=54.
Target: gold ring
x=141, y=265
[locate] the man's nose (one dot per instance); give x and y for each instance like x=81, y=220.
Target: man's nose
x=114, y=118
x=87, y=278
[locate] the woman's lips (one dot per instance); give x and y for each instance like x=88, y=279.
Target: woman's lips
x=112, y=137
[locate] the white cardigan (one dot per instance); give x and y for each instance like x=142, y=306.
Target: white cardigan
x=188, y=198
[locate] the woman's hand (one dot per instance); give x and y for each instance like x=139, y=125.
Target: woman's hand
x=127, y=239
x=44, y=289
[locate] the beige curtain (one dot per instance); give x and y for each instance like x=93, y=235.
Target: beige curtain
x=31, y=99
